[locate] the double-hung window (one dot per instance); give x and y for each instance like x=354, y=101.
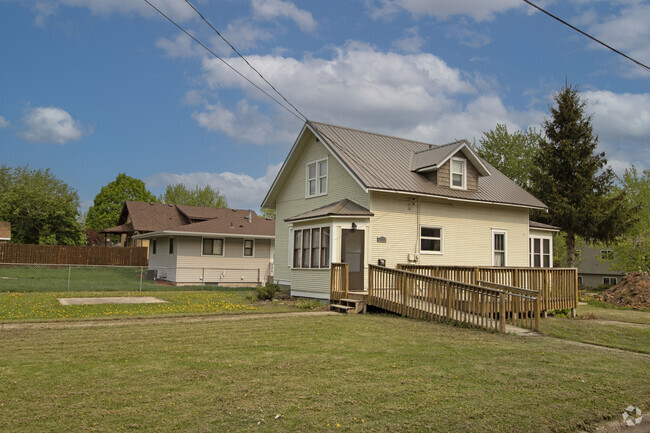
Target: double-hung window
x=540, y=252
x=431, y=240
x=610, y=280
x=249, y=247
x=458, y=173
x=171, y=246
x=311, y=248
x=316, y=178
x=607, y=254
x=498, y=248
x=212, y=247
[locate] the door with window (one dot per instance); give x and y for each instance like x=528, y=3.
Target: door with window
x=352, y=253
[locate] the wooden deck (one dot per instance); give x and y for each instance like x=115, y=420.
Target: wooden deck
x=486, y=304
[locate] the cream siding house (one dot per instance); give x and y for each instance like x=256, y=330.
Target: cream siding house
x=345, y=195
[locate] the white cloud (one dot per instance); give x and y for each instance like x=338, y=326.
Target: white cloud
x=270, y=9
x=479, y=10
x=412, y=41
x=467, y=36
x=51, y=125
x=179, y=10
x=620, y=116
x=43, y=11
x=629, y=32
x=241, y=190
x=4, y=123
x=182, y=46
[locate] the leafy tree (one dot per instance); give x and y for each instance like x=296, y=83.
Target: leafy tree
x=267, y=213
x=573, y=180
x=106, y=209
x=632, y=251
x=203, y=197
x=511, y=153
x=41, y=208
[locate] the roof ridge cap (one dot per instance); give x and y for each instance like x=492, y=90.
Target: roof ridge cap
x=372, y=133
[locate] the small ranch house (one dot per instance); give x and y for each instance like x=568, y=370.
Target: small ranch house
x=196, y=245
x=344, y=195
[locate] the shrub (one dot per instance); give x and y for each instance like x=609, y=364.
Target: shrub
x=266, y=293
x=309, y=304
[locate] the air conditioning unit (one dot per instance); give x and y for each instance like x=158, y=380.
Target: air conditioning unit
x=151, y=274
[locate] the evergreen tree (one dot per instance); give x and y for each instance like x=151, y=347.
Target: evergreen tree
x=573, y=180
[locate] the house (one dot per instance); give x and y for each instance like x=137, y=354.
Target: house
x=345, y=195
x=196, y=245
x=5, y=232
x=593, y=266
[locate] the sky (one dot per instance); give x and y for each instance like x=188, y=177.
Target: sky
x=94, y=88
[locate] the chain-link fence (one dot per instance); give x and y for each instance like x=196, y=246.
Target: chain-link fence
x=46, y=278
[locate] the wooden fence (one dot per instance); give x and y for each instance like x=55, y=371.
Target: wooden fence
x=438, y=299
x=558, y=287
x=71, y=255
x=339, y=282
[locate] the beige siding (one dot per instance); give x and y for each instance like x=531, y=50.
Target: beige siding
x=467, y=230
x=232, y=268
x=312, y=283
x=162, y=261
x=472, y=173
x=291, y=201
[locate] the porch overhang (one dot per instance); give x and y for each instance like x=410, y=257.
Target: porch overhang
x=341, y=209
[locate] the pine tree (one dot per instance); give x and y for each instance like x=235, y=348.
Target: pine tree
x=573, y=179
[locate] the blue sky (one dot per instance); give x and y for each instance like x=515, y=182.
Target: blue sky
x=92, y=88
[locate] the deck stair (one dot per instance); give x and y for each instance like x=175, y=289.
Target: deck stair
x=349, y=306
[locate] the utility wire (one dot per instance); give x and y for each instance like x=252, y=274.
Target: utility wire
x=224, y=62
x=647, y=68
x=244, y=59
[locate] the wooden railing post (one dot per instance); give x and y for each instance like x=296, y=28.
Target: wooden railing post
x=502, y=312
x=370, y=280
x=347, y=278
x=546, y=289
x=450, y=297
x=476, y=275
x=536, y=326
x=332, y=280
x=400, y=287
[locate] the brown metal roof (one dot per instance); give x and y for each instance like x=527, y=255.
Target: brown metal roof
x=383, y=162
x=344, y=207
x=537, y=225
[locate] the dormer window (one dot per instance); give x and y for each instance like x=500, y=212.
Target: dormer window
x=458, y=177
x=316, y=178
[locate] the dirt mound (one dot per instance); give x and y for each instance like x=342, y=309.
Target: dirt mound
x=633, y=291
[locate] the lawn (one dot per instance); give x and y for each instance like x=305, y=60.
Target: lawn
x=612, y=327
x=321, y=373
x=87, y=279
x=45, y=306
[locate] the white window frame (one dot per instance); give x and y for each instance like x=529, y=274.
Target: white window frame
x=463, y=174
x=437, y=253
x=505, y=246
x=309, y=229
x=609, y=253
x=317, y=179
x=244, y=248
x=223, y=249
x=612, y=280
x=531, y=250
x=580, y=279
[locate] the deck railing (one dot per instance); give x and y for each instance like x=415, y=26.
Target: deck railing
x=558, y=287
x=439, y=299
x=339, y=281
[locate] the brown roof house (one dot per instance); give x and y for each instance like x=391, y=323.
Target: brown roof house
x=5, y=232
x=344, y=195
x=195, y=245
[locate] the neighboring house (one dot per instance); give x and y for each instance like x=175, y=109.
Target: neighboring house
x=592, y=270
x=344, y=195
x=5, y=232
x=195, y=245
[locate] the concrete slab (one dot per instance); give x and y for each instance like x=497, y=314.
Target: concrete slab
x=111, y=300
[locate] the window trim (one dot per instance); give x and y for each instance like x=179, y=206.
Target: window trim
x=463, y=174
x=614, y=279
x=531, y=251
x=317, y=177
x=608, y=253
x=300, y=250
x=244, y=248
x=442, y=235
x=223, y=247
x=505, y=247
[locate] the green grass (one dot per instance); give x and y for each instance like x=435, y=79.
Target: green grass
x=371, y=373
x=86, y=279
x=589, y=327
x=45, y=306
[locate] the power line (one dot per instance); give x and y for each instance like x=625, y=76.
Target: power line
x=647, y=68
x=244, y=58
x=225, y=62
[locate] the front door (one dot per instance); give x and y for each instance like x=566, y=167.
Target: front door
x=352, y=242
